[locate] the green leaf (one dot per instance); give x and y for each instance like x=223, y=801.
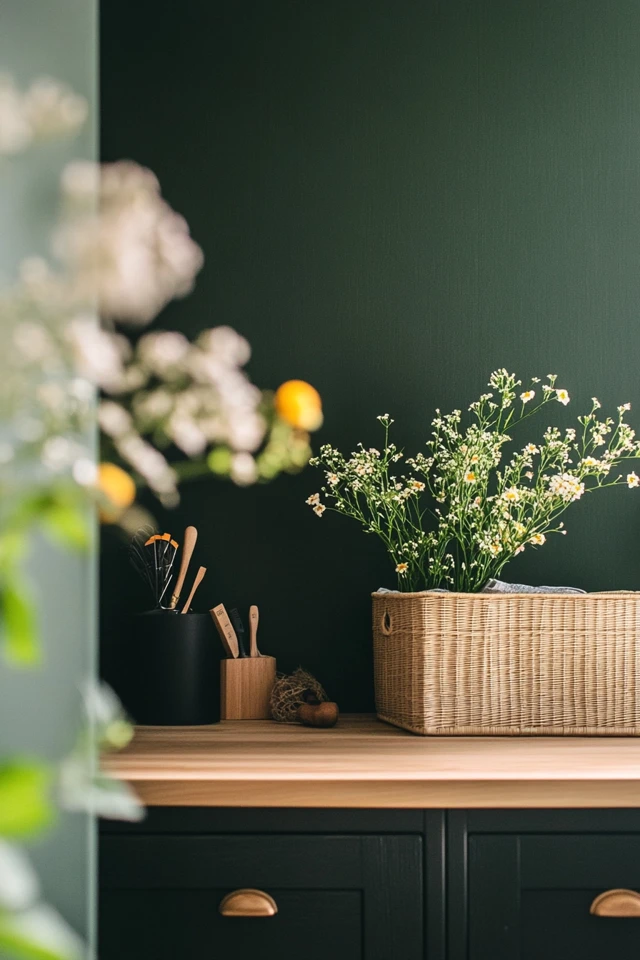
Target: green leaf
x=13, y=548
x=25, y=806
x=67, y=524
x=18, y=615
x=38, y=933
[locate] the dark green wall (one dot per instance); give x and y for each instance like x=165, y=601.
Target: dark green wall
x=394, y=199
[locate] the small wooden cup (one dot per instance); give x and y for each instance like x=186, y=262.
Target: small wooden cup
x=245, y=688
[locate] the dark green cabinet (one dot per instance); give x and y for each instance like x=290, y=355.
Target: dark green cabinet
x=344, y=897
x=369, y=884
x=530, y=896
x=522, y=883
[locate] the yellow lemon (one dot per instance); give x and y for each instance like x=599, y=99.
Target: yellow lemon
x=299, y=404
x=118, y=488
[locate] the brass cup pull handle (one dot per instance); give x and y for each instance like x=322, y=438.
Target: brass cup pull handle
x=616, y=903
x=248, y=903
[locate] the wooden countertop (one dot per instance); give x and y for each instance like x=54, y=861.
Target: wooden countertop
x=365, y=763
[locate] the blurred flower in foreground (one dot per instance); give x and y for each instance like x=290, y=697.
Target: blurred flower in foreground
x=122, y=243
x=119, y=250
x=122, y=247
x=299, y=404
x=46, y=110
x=169, y=409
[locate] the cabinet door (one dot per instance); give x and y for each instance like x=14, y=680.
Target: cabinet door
x=347, y=898
x=530, y=896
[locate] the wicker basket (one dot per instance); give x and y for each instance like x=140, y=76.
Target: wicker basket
x=464, y=664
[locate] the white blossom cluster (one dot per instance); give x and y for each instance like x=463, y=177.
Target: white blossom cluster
x=121, y=244
x=194, y=395
x=122, y=252
x=164, y=391
x=462, y=514
x=46, y=110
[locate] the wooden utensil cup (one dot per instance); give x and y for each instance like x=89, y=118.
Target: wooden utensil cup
x=245, y=688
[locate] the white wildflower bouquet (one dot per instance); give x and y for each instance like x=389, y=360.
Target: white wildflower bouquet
x=455, y=516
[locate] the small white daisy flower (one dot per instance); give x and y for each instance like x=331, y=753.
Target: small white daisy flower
x=319, y=509
x=633, y=480
x=527, y=395
x=562, y=397
x=402, y=568
x=538, y=539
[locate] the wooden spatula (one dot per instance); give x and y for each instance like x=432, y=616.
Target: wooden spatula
x=226, y=631
x=196, y=583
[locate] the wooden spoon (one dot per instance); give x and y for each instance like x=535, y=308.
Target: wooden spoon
x=188, y=546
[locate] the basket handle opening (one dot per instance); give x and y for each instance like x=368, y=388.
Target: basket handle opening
x=386, y=623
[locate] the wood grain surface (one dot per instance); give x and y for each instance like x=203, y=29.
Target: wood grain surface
x=245, y=687
x=364, y=763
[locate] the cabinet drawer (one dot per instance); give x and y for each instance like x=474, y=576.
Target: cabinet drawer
x=338, y=896
x=530, y=896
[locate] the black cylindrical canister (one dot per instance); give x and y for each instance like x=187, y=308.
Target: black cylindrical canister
x=175, y=669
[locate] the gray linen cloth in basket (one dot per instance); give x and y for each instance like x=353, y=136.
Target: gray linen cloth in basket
x=499, y=586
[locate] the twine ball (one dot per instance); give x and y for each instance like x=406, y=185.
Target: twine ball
x=290, y=692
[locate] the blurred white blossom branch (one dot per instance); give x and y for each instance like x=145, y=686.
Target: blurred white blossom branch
x=47, y=110
x=167, y=409
x=120, y=251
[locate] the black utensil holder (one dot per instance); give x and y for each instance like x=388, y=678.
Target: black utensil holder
x=175, y=669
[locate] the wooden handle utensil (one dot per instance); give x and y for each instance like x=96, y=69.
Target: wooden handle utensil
x=226, y=631
x=196, y=583
x=254, y=617
x=188, y=546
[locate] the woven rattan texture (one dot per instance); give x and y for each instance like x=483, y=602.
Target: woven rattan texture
x=525, y=664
